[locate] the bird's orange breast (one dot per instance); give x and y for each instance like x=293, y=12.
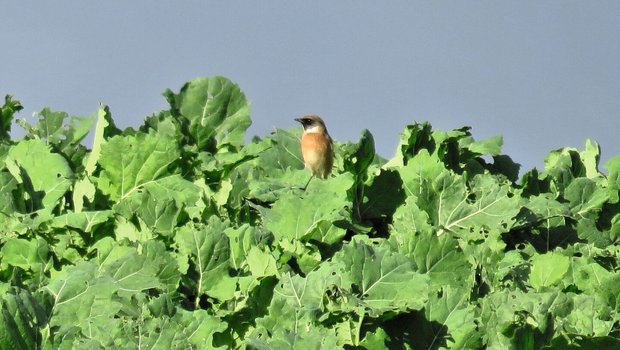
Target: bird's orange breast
x=317, y=151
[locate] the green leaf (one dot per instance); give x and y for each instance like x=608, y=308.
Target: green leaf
x=161, y=204
x=543, y=208
x=201, y=328
x=448, y=322
x=84, y=221
x=133, y=272
x=215, y=109
x=548, y=269
x=419, y=173
x=489, y=204
x=307, y=294
x=382, y=196
x=590, y=316
x=29, y=255
x=45, y=175
x=83, y=193
x=218, y=166
x=413, y=139
x=439, y=257
x=409, y=220
x=7, y=111
x=130, y=162
x=8, y=202
x=163, y=123
x=306, y=337
x=126, y=229
x=296, y=306
x=590, y=158
x=584, y=196
x=359, y=156
x=242, y=240
x=261, y=263
x=209, y=251
x=591, y=277
x=321, y=205
x=382, y=280
x=613, y=178
x=588, y=230
x=491, y=146
x=375, y=340
x=82, y=301
x=22, y=317
x=165, y=265
x=52, y=128
x=185, y=330
x=512, y=318
x=285, y=153
x=104, y=127
x=564, y=165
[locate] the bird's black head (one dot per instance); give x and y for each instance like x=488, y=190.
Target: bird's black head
x=310, y=121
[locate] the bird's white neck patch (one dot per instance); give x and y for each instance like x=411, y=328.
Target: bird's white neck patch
x=313, y=129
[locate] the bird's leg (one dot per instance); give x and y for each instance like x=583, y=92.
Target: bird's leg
x=307, y=183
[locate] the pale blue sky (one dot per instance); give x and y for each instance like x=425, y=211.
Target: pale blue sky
x=544, y=74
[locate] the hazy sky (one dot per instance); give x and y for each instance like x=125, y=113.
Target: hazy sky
x=544, y=74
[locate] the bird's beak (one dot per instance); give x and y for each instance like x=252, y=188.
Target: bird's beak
x=298, y=119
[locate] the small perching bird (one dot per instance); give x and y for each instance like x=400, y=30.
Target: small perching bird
x=317, y=146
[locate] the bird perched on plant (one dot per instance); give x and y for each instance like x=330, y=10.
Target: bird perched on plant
x=317, y=147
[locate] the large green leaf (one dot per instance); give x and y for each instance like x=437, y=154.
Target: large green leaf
x=285, y=153
x=162, y=204
x=208, y=250
x=382, y=197
x=313, y=214
x=185, y=330
x=54, y=129
x=563, y=165
x=382, y=280
x=215, y=109
x=104, y=128
x=131, y=272
x=243, y=240
x=359, y=156
x=548, y=269
x=26, y=254
x=419, y=174
x=130, y=162
x=591, y=316
x=448, y=321
x=413, y=139
x=22, y=317
x=83, y=301
x=491, y=146
x=440, y=257
x=297, y=305
x=518, y=320
x=85, y=221
x=307, y=294
x=485, y=203
x=409, y=220
x=46, y=176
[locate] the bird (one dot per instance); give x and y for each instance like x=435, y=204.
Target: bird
x=317, y=147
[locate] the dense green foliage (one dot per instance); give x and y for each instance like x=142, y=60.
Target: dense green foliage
x=179, y=235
